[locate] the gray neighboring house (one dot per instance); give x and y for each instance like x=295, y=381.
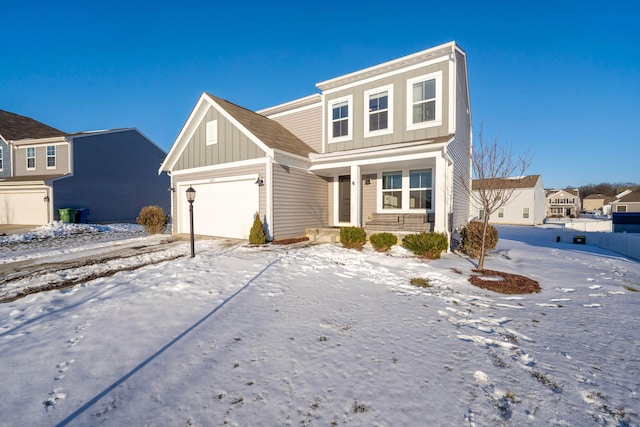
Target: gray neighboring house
x=387, y=148
x=112, y=173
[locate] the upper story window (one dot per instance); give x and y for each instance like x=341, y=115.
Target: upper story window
x=51, y=156
x=379, y=111
x=212, y=132
x=424, y=101
x=340, y=125
x=1, y=159
x=31, y=158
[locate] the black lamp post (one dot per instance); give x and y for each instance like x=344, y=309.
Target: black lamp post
x=191, y=196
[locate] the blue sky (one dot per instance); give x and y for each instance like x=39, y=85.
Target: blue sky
x=558, y=78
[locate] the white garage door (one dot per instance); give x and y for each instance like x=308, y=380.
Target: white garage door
x=222, y=209
x=23, y=207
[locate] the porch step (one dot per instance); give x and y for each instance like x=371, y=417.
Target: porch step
x=323, y=235
x=400, y=222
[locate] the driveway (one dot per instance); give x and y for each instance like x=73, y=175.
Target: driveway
x=7, y=229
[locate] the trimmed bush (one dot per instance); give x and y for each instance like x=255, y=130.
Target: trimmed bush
x=257, y=235
x=153, y=219
x=426, y=245
x=353, y=237
x=471, y=235
x=382, y=242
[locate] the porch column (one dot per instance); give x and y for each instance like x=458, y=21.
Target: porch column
x=356, y=196
x=440, y=195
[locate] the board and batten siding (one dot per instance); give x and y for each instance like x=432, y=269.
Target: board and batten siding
x=299, y=202
x=460, y=149
x=212, y=175
x=305, y=124
x=62, y=160
x=400, y=132
x=233, y=145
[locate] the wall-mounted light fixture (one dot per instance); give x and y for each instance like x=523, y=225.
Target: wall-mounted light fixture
x=46, y=198
x=259, y=181
x=367, y=181
x=172, y=189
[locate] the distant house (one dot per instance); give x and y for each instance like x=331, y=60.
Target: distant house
x=527, y=203
x=627, y=201
x=112, y=173
x=596, y=202
x=386, y=148
x=563, y=203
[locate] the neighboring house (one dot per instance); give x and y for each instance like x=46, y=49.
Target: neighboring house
x=111, y=173
x=387, y=148
x=563, y=203
x=596, y=202
x=526, y=205
x=627, y=201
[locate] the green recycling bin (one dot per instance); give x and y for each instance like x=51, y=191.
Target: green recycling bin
x=67, y=215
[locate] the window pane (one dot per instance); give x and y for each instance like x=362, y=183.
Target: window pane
x=392, y=199
x=420, y=178
x=424, y=112
x=374, y=123
x=391, y=180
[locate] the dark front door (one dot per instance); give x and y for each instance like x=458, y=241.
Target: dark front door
x=344, y=198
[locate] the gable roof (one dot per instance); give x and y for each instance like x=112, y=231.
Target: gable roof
x=511, y=182
x=549, y=193
x=14, y=127
x=632, y=197
x=270, y=132
x=598, y=196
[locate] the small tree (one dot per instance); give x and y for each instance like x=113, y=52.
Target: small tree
x=491, y=164
x=257, y=235
x=153, y=219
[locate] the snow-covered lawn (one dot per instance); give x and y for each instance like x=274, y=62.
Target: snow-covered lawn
x=321, y=336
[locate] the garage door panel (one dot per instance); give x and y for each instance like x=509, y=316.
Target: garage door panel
x=224, y=209
x=23, y=207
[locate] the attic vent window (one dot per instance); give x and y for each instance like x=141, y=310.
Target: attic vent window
x=212, y=132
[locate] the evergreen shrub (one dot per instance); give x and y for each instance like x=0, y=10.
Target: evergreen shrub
x=382, y=242
x=427, y=245
x=153, y=219
x=353, y=237
x=257, y=236
x=471, y=235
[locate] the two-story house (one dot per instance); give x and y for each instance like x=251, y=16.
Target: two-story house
x=526, y=206
x=387, y=148
x=563, y=203
x=111, y=174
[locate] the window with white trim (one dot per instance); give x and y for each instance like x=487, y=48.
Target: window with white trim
x=424, y=101
x=51, y=157
x=392, y=190
x=621, y=208
x=378, y=117
x=1, y=159
x=501, y=213
x=525, y=212
x=340, y=124
x=480, y=214
x=420, y=189
x=31, y=158
x=212, y=132
x=408, y=189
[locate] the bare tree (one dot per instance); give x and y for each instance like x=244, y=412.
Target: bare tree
x=492, y=164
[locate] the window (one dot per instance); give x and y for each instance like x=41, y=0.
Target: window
x=525, y=212
x=378, y=117
x=408, y=189
x=1, y=159
x=424, y=101
x=31, y=158
x=51, y=156
x=621, y=208
x=420, y=189
x=392, y=190
x=481, y=214
x=212, y=132
x=501, y=213
x=340, y=124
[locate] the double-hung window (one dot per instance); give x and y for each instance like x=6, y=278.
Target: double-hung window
x=525, y=212
x=424, y=101
x=501, y=213
x=31, y=158
x=420, y=189
x=340, y=125
x=392, y=190
x=51, y=156
x=378, y=111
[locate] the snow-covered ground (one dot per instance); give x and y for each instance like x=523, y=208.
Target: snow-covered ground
x=320, y=335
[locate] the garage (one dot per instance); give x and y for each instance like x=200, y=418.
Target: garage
x=23, y=206
x=222, y=209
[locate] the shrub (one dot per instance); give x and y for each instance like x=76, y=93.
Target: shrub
x=353, y=237
x=153, y=219
x=257, y=235
x=427, y=245
x=382, y=242
x=420, y=282
x=472, y=238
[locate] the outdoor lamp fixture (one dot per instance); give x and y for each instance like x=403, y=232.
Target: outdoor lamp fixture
x=259, y=181
x=46, y=198
x=191, y=196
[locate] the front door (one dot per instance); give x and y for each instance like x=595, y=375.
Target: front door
x=344, y=198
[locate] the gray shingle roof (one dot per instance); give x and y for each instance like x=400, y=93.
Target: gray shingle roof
x=494, y=183
x=270, y=132
x=14, y=127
